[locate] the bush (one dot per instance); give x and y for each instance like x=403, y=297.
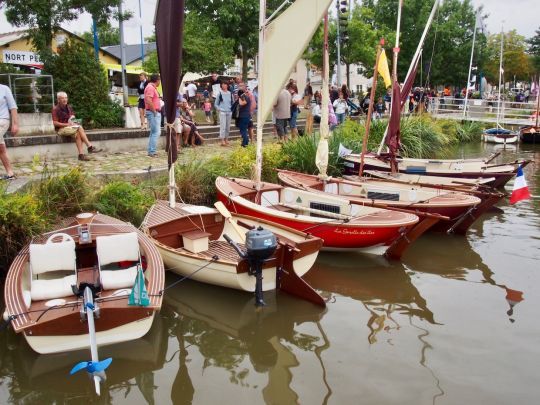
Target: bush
x=79, y=74
x=62, y=195
x=21, y=218
x=124, y=201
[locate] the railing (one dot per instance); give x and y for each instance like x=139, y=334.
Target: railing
x=32, y=93
x=511, y=113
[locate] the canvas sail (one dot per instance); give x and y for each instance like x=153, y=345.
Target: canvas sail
x=284, y=42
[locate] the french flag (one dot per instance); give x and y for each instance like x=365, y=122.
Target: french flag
x=520, y=191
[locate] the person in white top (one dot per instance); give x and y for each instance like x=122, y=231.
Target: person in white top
x=8, y=108
x=192, y=92
x=340, y=107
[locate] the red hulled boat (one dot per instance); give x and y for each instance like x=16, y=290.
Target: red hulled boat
x=341, y=225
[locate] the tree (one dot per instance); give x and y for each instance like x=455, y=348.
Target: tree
x=77, y=73
x=448, y=45
x=107, y=34
x=44, y=17
x=534, y=51
x=205, y=50
x=237, y=20
x=515, y=60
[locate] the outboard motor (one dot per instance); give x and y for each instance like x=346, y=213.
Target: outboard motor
x=260, y=245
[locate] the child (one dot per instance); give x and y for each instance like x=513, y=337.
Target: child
x=207, y=108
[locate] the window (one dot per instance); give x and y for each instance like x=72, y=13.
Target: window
x=358, y=70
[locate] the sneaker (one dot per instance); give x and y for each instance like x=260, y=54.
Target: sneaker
x=83, y=157
x=93, y=149
x=8, y=177
x=152, y=155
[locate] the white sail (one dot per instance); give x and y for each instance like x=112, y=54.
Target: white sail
x=285, y=39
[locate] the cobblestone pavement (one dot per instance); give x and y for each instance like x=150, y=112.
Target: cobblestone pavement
x=119, y=162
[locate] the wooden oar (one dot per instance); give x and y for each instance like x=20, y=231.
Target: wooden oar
x=227, y=215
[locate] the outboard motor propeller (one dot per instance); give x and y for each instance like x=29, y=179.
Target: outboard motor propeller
x=261, y=244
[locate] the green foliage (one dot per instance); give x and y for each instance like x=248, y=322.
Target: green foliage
x=204, y=50
x=515, y=60
x=77, y=73
x=62, y=195
x=107, y=34
x=124, y=201
x=534, y=51
x=7, y=68
x=44, y=17
x=21, y=218
x=195, y=182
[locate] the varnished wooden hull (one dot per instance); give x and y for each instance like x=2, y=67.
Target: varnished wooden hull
x=221, y=265
x=53, y=326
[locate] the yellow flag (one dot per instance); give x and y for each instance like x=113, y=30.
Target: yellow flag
x=383, y=69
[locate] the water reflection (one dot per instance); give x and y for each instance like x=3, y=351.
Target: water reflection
x=459, y=261
x=226, y=329
x=383, y=288
x=37, y=378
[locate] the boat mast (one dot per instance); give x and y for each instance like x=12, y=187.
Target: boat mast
x=470, y=68
x=500, y=77
x=537, y=104
x=260, y=65
x=370, y=109
x=414, y=60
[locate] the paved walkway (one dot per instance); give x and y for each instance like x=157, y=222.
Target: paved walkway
x=129, y=163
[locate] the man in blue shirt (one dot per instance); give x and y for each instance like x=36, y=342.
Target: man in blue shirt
x=7, y=108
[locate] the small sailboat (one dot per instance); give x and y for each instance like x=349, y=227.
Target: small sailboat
x=209, y=245
x=47, y=284
x=191, y=237
x=457, y=210
x=499, y=134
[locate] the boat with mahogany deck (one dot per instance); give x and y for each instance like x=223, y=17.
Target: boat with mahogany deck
x=45, y=284
x=457, y=208
x=190, y=238
x=341, y=225
x=530, y=134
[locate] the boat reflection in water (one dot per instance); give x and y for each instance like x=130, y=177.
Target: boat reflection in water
x=226, y=329
x=459, y=261
x=33, y=378
x=385, y=289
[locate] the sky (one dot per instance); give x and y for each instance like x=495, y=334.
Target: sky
x=521, y=15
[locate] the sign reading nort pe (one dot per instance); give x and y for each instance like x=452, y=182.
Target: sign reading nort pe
x=21, y=58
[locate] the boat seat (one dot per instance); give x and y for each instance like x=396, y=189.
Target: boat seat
x=113, y=249
x=52, y=268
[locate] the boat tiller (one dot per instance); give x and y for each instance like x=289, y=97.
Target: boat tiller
x=260, y=245
x=94, y=367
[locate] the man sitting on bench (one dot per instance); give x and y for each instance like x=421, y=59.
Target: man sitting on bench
x=64, y=122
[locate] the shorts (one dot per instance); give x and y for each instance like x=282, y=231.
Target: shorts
x=70, y=132
x=292, y=120
x=140, y=104
x=4, y=125
x=208, y=113
x=250, y=124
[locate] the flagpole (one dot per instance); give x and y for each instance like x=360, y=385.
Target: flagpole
x=470, y=68
x=260, y=123
x=500, y=77
x=370, y=108
x=537, y=104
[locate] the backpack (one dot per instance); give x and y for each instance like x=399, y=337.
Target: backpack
x=235, y=109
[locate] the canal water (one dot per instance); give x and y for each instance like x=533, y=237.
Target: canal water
x=457, y=321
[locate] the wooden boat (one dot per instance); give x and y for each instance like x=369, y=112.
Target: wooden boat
x=341, y=225
x=500, y=136
x=434, y=181
x=44, y=283
x=458, y=208
x=190, y=237
x=530, y=134
x=457, y=169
